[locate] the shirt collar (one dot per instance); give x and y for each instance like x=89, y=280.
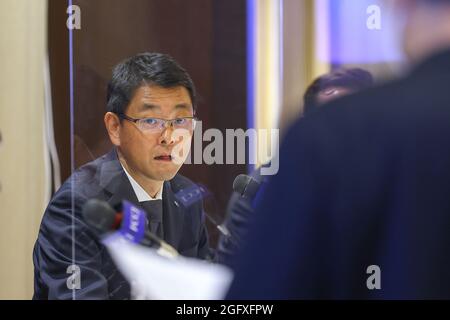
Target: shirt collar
x=141, y=194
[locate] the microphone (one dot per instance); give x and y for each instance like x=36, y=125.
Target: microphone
x=198, y=192
x=131, y=222
x=246, y=186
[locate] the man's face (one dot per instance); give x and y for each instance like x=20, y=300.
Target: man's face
x=149, y=154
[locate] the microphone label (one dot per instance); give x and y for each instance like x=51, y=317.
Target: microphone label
x=133, y=223
x=192, y=194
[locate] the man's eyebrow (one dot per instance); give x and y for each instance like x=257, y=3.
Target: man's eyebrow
x=183, y=106
x=149, y=106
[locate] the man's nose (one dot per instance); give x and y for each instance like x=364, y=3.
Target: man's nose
x=167, y=136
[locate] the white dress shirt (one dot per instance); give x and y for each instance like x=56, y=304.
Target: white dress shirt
x=141, y=194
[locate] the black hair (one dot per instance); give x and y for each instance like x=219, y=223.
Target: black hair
x=355, y=78
x=145, y=69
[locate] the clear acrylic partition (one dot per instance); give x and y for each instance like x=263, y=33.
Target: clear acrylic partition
x=221, y=60
x=108, y=32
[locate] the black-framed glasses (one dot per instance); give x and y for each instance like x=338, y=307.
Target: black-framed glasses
x=152, y=125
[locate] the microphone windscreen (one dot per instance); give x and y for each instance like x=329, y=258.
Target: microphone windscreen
x=99, y=215
x=240, y=183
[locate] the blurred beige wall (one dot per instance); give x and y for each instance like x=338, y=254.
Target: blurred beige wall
x=285, y=60
x=22, y=52
x=284, y=63
x=298, y=58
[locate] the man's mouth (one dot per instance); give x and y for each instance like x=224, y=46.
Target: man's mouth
x=164, y=158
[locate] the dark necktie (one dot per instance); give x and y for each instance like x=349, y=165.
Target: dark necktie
x=155, y=216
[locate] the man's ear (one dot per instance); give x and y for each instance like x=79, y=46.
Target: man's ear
x=112, y=124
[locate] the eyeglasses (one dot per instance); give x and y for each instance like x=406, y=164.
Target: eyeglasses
x=152, y=125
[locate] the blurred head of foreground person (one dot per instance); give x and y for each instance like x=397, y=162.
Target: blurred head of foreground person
x=333, y=85
x=360, y=207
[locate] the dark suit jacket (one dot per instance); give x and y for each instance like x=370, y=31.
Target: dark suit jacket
x=364, y=181
x=54, y=250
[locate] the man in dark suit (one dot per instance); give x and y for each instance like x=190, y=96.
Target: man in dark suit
x=360, y=207
x=150, y=97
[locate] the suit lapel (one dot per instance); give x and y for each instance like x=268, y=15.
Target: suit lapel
x=114, y=181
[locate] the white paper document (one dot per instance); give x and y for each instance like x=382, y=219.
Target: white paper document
x=153, y=276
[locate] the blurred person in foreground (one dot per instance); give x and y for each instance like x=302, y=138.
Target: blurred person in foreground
x=360, y=208
x=240, y=209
